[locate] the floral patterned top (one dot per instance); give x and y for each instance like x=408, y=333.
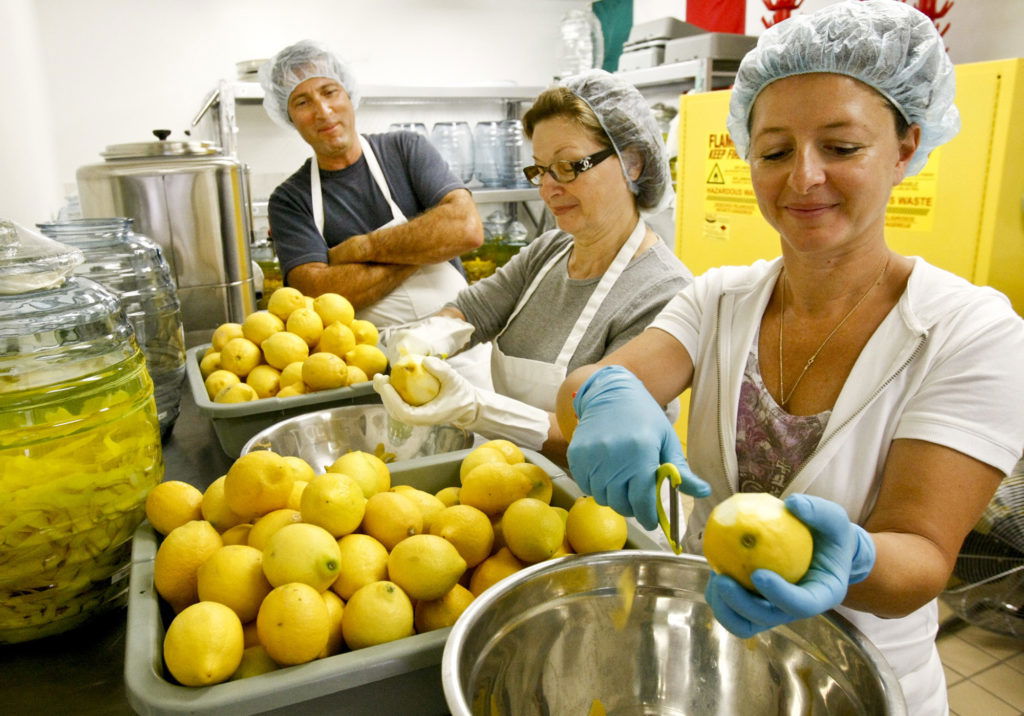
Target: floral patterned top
x=771, y=444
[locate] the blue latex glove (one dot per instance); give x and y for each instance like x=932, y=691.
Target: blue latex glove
x=843, y=555
x=621, y=439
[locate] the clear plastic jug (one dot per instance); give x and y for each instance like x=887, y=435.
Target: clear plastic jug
x=133, y=266
x=79, y=440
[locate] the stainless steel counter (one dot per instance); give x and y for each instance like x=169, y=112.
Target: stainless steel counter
x=81, y=671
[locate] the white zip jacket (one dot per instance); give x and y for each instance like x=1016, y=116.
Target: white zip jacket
x=944, y=366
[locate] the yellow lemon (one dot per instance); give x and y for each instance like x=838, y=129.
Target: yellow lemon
x=355, y=375
x=468, y=529
x=441, y=613
x=429, y=505
x=215, y=507
x=304, y=553
x=293, y=624
x=391, y=517
x=334, y=307
x=532, y=530
x=591, y=527
x=414, y=383
x=493, y=486
x=240, y=355
x=209, y=363
x=295, y=498
x=255, y=661
x=238, y=393
x=270, y=523
x=285, y=300
x=301, y=470
x=496, y=567
x=365, y=332
x=425, y=566
x=369, y=471
x=176, y=567
x=543, y=488
x=335, y=612
x=173, y=503
x=224, y=333
x=258, y=482
x=368, y=358
x=333, y=501
x=512, y=452
x=203, y=644
x=294, y=389
x=265, y=380
x=308, y=302
x=479, y=456
x=323, y=371
x=284, y=348
x=377, y=613
x=754, y=530
x=448, y=495
x=337, y=338
x=218, y=380
x=239, y=534
x=291, y=373
x=261, y=325
x=233, y=576
x=306, y=324
x=363, y=560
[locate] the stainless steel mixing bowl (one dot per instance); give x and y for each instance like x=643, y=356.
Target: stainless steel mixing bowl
x=323, y=436
x=558, y=636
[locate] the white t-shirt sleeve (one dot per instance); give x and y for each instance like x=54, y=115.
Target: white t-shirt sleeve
x=681, y=316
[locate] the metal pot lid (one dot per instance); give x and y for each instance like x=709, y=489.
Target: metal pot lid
x=161, y=148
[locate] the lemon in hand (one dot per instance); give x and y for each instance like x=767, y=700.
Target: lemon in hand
x=754, y=530
x=414, y=383
x=203, y=644
x=301, y=552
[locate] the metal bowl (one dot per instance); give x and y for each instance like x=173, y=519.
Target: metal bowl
x=558, y=636
x=323, y=436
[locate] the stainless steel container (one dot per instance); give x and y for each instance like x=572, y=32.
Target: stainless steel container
x=194, y=202
x=630, y=631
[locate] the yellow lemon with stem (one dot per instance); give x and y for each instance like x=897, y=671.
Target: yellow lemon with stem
x=543, y=488
x=240, y=355
x=203, y=645
x=333, y=501
x=391, y=517
x=468, y=529
x=285, y=300
x=363, y=560
x=233, y=576
x=218, y=380
x=171, y=504
x=293, y=623
x=377, y=613
x=209, y=363
x=261, y=325
x=334, y=308
x=425, y=566
x=306, y=324
x=754, y=530
x=258, y=482
x=302, y=552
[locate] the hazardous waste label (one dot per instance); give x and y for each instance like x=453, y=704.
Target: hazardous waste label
x=727, y=188
x=912, y=202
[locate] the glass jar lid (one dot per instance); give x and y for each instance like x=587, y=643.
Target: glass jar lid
x=31, y=262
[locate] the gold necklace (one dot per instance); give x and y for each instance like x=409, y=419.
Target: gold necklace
x=810, y=361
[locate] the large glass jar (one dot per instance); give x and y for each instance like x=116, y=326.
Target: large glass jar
x=133, y=266
x=79, y=440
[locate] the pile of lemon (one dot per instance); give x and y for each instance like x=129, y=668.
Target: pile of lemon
x=274, y=565
x=298, y=345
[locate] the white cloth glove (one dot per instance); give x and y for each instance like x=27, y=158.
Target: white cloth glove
x=465, y=406
x=433, y=336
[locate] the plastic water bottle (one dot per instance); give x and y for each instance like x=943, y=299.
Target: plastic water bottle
x=582, y=45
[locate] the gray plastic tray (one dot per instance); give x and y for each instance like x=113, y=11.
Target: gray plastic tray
x=235, y=423
x=400, y=677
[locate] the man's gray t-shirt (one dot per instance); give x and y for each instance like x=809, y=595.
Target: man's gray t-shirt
x=541, y=328
x=416, y=174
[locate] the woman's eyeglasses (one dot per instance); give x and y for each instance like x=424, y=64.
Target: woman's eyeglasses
x=565, y=171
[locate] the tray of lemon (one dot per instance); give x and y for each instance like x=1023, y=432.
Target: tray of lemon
x=299, y=354
x=284, y=589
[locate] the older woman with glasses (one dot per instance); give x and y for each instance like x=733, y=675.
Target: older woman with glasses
x=575, y=293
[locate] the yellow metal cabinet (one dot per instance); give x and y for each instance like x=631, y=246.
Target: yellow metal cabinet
x=964, y=212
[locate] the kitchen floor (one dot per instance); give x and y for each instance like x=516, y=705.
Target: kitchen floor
x=984, y=670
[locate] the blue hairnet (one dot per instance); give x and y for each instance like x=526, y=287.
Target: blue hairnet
x=885, y=44
x=627, y=120
x=282, y=73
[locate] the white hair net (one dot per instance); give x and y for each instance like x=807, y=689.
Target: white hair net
x=885, y=44
x=282, y=73
x=627, y=120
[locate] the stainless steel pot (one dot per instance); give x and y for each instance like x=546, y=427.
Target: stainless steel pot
x=194, y=201
x=631, y=630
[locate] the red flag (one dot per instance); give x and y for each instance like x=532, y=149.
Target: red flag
x=718, y=15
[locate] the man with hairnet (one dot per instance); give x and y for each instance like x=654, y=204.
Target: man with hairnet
x=379, y=219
